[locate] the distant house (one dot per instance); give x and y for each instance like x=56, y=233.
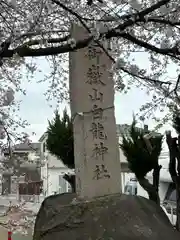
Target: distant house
x=52, y=171
x=124, y=130
x=25, y=161
x=38, y=166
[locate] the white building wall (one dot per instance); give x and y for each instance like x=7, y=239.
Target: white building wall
x=141, y=191
x=125, y=178
x=163, y=187
x=53, y=179
x=51, y=169
x=54, y=186
x=44, y=178
x=51, y=182
x=53, y=162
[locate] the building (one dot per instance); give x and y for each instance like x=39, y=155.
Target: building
x=52, y=171
x=25, y=167
x=167, y=190
x=36, y=167
x=124, y=130
x=36, y=172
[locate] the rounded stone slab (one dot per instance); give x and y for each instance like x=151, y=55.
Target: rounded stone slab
x=117, y=217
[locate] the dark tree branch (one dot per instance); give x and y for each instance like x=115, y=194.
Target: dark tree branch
x=57, y=2
x=178, y=156
x=24, y=51
x=156, y=174
x=157, y=82
x=176, y=88
x=148, y=46
x=174, y=170
x=151, y=190
x=90, y=2
x=71, y=180
x=171, y=142
x=163, y=21
x=48, y=40
x=138, y=16
x=84, y=25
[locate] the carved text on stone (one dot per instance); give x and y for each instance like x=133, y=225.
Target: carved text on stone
x=93, y=53
x=99, y=151
x=98, y=132
x=96, y=95
x=94, y=75
x=101, y=172
x=97, y=112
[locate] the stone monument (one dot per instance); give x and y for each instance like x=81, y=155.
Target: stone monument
x=96, y=149
x=103, y=214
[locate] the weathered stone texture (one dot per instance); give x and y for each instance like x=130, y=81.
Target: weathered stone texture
x=118, y=217
x=96, y=149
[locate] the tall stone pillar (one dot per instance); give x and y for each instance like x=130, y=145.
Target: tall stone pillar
x=96, y=149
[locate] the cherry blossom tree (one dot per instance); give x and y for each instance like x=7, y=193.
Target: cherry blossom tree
x=147, y=29
x=42, y=28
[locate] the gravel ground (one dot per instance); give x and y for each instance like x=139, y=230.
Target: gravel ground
x=13, y=219
x=4, y=235
x=18, y=219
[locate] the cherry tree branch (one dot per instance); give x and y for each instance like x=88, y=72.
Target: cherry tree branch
x=24, y=51
x=47, y=40
x=164, y=51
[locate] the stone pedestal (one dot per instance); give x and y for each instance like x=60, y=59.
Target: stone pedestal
x=96, y=148
x=118, y=217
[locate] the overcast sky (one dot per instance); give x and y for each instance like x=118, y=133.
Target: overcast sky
x=36, y=110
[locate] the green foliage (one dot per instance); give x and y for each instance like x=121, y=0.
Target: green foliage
x=60, y=138
x=140, y=159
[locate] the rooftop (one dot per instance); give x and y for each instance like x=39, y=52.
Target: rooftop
x=124, y=129
x=25, y=147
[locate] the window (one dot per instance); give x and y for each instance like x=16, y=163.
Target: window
x=135, y=191
x=62, y=184
x=69, y=188
x=130, y=190
x=44, y=147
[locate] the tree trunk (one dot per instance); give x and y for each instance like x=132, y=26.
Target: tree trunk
x=178, y=207
x=71, y=180
x=174, y=170
x=178, y=184
x=151, y=190
x=156, y=174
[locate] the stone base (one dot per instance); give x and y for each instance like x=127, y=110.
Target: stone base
x=118, y=217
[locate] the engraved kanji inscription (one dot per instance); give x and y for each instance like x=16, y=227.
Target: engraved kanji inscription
x=96, y=95
x=101, y=172
x=98, y=132
x=99, y=151
x=93, y=52
x=94, y=75
x=97, y=112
